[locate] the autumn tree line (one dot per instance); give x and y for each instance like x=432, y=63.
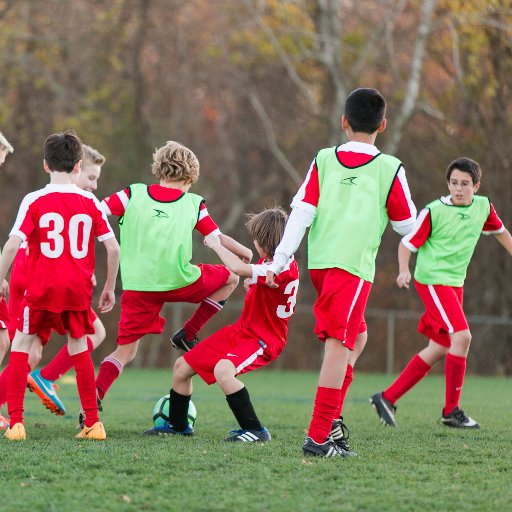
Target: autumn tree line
x=255, y=88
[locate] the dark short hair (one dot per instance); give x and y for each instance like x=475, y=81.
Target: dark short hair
x=62, y=151
x=465, y=164
x=267, y=228
x=365, y=109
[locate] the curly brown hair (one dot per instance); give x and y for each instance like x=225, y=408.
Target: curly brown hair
x=175, y=162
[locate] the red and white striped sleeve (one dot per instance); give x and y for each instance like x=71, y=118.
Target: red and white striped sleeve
x=116, y=203
x=308, y=194
x=493, y=225
x=400, y=207
x=205, y=224
x=24, y=224
x=420, y=232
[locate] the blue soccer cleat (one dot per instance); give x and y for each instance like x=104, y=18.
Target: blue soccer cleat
x=45, y=390
x=167, y=430
x=249, y=436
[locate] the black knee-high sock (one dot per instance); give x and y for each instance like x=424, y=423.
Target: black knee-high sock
x=178, y=410
x=240, y=404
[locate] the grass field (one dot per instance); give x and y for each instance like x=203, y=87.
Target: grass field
x=420, y=465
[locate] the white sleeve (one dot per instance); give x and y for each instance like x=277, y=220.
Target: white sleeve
x=300, y=219
x=259, y=271
x=403, y=227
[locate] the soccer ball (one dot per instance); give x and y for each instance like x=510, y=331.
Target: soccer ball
x=161, y=412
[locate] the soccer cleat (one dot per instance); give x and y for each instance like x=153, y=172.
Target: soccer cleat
x=327, y=449
x=249, y=436
x=167, y=430
x=81, y=414
x=340, y=434
x=384, y=408
x=179, y=341
x=16, y=433
x=96, y=432
x=4, y=422
x=458, y=419
x=45, y=390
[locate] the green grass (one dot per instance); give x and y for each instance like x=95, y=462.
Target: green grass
x=420, y=465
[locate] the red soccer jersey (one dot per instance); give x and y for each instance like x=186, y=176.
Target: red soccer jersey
x=116, y=205
x=60, y=223
x=267, y=310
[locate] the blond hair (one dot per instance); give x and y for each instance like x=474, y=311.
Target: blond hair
x=267, y=228
x=175, y=162
x=5, y=144
x=92, y=156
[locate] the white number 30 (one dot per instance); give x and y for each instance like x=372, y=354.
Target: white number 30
x=80, y=222
x=291, y=289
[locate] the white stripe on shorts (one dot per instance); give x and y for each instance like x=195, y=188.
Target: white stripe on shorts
x=440, y=308
x=26, y=323
x=249, y=360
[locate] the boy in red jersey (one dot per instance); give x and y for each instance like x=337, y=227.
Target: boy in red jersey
x=255, y=340
x=41, y=381
x=156, y=226
x=350, y=193
x=445, y=236
x=5, y=149
x=59, y=223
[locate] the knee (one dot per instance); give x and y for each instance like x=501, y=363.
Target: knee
x=223, y=371
x=180, y=367
x=233, y=280
x=99, y=334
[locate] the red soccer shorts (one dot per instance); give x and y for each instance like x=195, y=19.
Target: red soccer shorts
x=140, y=311
x=35, y=321
x=4, y=314
x=339, y=308
x=443, y=312
x=246, y=351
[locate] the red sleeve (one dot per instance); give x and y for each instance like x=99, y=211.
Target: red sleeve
x=102, y=229
x=420, y=233
x=309, y=192
x=205, y=224
x=24, y=224
x=493, y=224
x=399, y=204
x=116, y=203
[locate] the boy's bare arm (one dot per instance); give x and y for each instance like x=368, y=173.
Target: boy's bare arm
x=107, y=297
x=404, y=275
x=231, y=260
x=505, y=239
x=6, y=258
x=244, y=253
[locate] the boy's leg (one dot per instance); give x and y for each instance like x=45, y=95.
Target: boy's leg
x=223, y=283
x=179, y=400
x=17, y=383
x=455, y=370
x=112, y=366
x=4, y=343
x=39, y=385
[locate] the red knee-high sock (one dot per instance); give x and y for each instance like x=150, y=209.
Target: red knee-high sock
x=454, y=371
x=327, y=402
x=202, y=314
x=61, y=363
x=415, y=370
x=349, y=376
x=16, y=385
x=110, y=369
x=3, y=385
x=86, y=385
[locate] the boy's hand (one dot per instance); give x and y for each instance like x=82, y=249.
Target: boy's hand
x=107, y=301
x=247, y=283
x=403, y=279
x=271, y=280
x=4, y=288
x=211, y=240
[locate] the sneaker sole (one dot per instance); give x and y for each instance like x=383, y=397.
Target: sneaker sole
x=382, y=420
x=49, y=404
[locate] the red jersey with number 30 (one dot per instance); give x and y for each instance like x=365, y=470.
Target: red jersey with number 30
x=60, y=223
x=267, y=310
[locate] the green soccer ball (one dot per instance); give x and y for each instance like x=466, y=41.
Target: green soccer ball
x=161, y=412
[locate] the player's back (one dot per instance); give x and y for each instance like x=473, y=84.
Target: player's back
x=59, y=223
x=267, y=310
